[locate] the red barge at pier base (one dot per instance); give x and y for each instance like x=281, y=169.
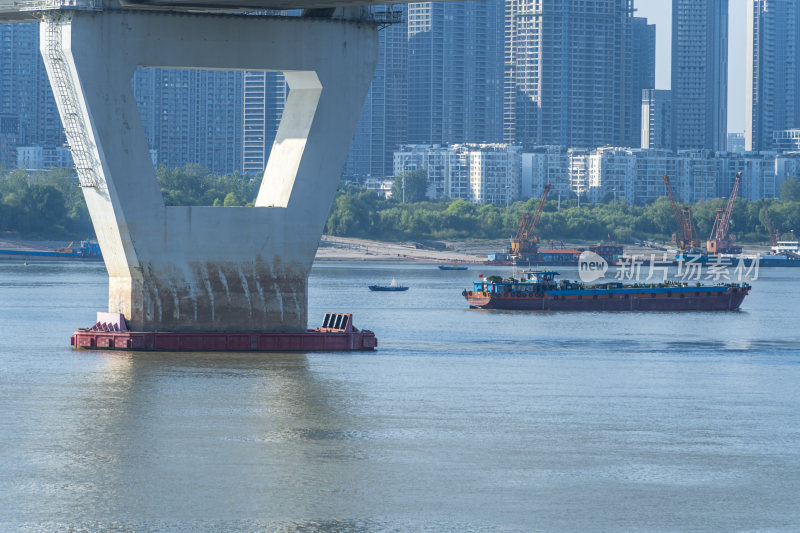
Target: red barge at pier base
x=336, y=334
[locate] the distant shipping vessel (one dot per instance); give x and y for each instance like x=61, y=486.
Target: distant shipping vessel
x=782, y=254
x=555, y=257
x=539, y=291
x=454, y=266
x=85, y=250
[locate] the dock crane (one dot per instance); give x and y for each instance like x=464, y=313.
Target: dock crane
x=774, y=235
x=524, y=245
x=686, y=237
x=719, y=242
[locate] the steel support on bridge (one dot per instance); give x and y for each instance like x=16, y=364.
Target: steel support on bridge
x=207, y=268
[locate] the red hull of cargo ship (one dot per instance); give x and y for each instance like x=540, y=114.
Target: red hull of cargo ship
x=337, y=334
x=728, y=300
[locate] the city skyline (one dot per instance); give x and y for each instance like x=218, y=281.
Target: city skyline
x=659, y=12
x=659, y=15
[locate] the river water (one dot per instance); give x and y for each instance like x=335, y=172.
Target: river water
x=462, y=420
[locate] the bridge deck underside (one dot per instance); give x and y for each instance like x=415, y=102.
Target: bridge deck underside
x=26, y=10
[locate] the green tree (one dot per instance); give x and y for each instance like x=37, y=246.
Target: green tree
x=790, y=190
x=415, y=183
x=194, y=185
x=622, y=235
x=43, y=210
x=352, y=215
x=232, y=199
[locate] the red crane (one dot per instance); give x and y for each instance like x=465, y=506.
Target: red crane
x=774, y=235
x=686, y=237
x=719, y=241
x=525, y=242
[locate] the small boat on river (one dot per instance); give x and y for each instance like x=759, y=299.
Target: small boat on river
x=392, y=287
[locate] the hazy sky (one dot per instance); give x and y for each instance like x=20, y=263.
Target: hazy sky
x=659, y=12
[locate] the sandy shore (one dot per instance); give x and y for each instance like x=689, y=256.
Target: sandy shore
x=348, y=249
x=13, y=243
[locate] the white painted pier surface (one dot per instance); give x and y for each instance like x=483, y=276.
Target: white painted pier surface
x=207, y=268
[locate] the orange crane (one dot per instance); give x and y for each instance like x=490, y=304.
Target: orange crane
x=774, y=235
x=525, y=244
x=686, y=237
x=719, y=242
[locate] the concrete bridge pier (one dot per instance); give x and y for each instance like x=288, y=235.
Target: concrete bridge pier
x=214, y=269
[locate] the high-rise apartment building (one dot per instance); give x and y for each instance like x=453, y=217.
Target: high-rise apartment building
x=264, y=99
x=773, y=71
x=699, y=74
x=644, y=76
x=192, y=116
x=455, y=52
x=383, y=125
x=569, y=72
x=28, y=114
x=656, y=119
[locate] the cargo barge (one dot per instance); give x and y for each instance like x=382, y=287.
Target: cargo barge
x=782, y=254
x=554, y=257
x=85, y=250
x=336, y=334
x=454, y=266
x=769, y=260
x=539, y=291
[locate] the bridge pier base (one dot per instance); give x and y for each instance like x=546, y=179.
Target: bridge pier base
x=210, y=269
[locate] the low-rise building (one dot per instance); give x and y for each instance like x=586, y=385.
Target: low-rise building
x=43, y=157
x=786, y=165
x=501, y=173
x=787, y=140
x=479, y=173
x=543, y=165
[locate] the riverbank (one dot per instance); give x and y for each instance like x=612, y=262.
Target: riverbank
x=472, y=251
x=350, y=249
x=25, y=245
x=346, y=249
x=330, y=249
